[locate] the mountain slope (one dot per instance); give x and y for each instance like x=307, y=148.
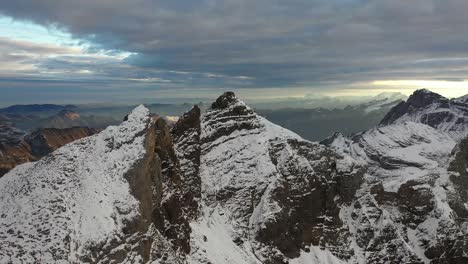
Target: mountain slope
x=73, y=200
x=411, y=207
x=98, y=200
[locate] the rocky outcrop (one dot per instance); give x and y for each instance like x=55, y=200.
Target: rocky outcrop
x=186, y=134
x=459, y=177
x=170, y=218
x=309, y=196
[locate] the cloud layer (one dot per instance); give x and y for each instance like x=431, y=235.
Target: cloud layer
x=254, y=43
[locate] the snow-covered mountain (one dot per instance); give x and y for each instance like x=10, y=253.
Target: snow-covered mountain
x=424, y=106
x=229, y=186
x=412, y=205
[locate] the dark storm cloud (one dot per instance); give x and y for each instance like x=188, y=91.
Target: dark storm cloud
x=263, y=43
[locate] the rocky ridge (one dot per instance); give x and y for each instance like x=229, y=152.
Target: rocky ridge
x=228, y=186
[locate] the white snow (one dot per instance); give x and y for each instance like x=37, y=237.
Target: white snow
x=396, y=154
x=212, y=241
x=400, y=152
x=75, y=197
x=316, y=255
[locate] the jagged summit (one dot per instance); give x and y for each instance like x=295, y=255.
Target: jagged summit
x=424, y=97
x=419, y=100
x=424, y=106
x=188, y=120
x=224, y=100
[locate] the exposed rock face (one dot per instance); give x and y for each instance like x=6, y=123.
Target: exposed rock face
x=17, y=148
x=310, y=196
x=169, y=215
x=186, y=133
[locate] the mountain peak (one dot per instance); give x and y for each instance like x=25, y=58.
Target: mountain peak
x=224, y=100
x=432, y=109
x=424, y=97
x=417, y=102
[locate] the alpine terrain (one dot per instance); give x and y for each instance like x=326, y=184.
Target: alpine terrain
x=228, y=186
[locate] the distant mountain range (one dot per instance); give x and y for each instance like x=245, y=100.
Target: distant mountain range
x=228, y=186
x=312, y=123
x=318, y=123
x=35, y=109
x=17, y=147
x=68, y=118
x=30, y=117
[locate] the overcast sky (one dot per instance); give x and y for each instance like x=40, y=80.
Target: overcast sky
x=118, y=50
